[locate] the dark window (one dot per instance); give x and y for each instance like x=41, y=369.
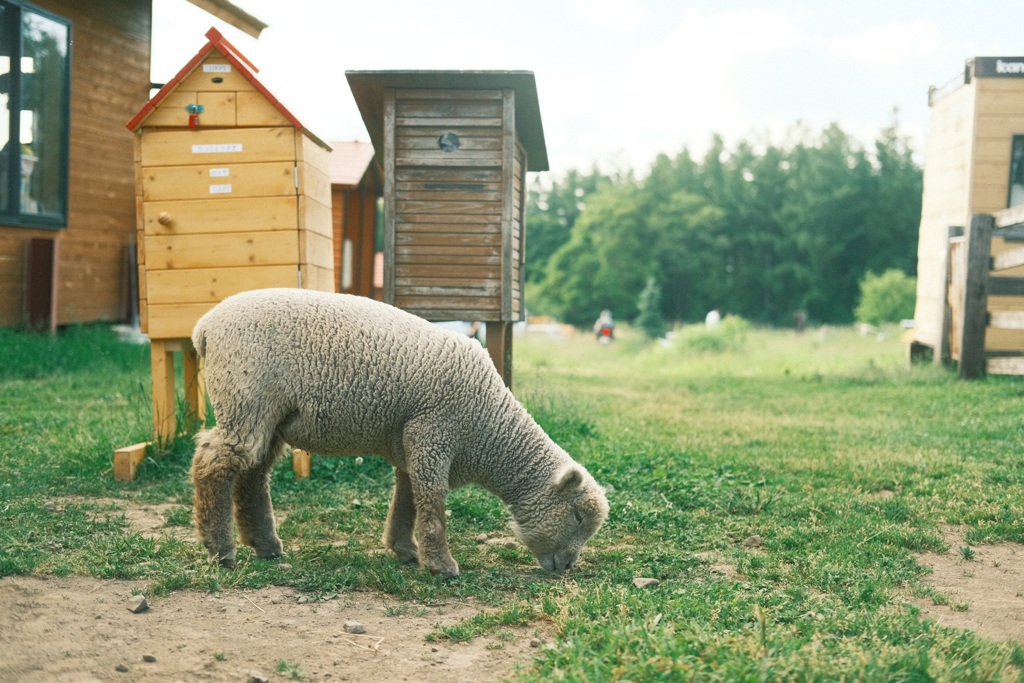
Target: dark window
x=1016, y=195
x=35, y=88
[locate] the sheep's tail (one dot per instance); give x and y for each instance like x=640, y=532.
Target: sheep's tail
x=199, y=337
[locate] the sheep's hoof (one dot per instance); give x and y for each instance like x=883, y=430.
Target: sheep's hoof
x=227, y=562
x=445, y=571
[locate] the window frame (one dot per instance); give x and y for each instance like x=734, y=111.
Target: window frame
x=16, y=217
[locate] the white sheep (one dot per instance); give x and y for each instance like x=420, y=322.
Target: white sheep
x=345, y=375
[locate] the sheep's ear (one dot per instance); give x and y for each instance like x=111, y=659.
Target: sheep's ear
x=569, y=481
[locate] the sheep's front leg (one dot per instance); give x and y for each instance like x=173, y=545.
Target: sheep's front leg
x=433, y=533
x=398, y=530
x=214, y=470
x=254, y=511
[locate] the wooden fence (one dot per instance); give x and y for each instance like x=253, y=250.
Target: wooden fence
x=985, y=295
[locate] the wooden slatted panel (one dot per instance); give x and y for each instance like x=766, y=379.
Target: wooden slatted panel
x=448, y=205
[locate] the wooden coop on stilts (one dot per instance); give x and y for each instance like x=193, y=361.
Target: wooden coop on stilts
x=455, y=147
x=233, y=193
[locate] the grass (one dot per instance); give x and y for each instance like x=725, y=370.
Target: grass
x=779, y=486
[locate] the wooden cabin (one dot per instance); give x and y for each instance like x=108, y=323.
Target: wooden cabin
x=233, y=194
x=455, y=147
x=974, y=164
x=356, y=188
x=67, y=186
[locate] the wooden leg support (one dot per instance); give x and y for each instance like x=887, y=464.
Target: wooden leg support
x=161, y=360
x=499, y=346
x=302, y=463
x=127, y=459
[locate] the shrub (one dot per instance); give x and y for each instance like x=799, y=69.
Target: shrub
x=885, y=298
x=650, y=321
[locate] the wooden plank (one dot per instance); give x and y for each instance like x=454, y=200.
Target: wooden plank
x=414, y=281
x=253, y=109
x=455, y=262
x=214, y=284
x=1008, y=217
x=315, y=217
x=164, y=397
x=226, y=78
x=317, y=278
x=448, y=222
x=128, y=459
x=469, y=272
x=1008, y=259
x=1006, y=365
x=440, y=314
x=445, y=250
x=171, y=112
x=507, y=210
x=430, y=142
x=176, y=321
x=452, y=193
x=221, y=214
x=216, y=147
x=499, y=347
x=448, y=239
x=223, y=250
x=972, y=330
x=316, y=250
x=218, y=108
x=451, y=289
x=448, y=94
x=446, y=109
x=999, y=339
x=313, y=182
x=302, y=463
x=448, y=175
x=390, y=217
x=445, y=207
x=213, y=182
x=454, y=122
x=439, y=158
x=1012, y=320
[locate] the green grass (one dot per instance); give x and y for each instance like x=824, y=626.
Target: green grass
x=779, y=486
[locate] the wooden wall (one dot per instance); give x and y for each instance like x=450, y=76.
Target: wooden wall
x=945, y=202
x=453, y=225
x=109, y=83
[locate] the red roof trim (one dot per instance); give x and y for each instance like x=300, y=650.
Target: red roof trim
x=219, y=43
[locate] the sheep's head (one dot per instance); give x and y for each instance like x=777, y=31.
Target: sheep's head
x=570, y=509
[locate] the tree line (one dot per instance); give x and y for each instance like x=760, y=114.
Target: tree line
x=760, y=230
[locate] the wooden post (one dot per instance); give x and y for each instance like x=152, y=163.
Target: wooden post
x=195, y=388
x=499, y=346
x=302, y=463
x=127, y=459
x=941, y=353
x=161, y=359
x=978, y=241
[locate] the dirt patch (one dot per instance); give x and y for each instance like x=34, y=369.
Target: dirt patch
x=984, y=587
x=82, y=630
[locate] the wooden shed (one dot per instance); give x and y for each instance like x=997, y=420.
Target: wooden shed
x=455, y=147
x=68, y=263
x=974, y=164
x=356, y=189
x=233, y=194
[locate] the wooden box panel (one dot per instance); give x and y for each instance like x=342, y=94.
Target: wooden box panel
x=224, y=214
x=235, y=180
x=253, y=109
x=213, y=284
x=171, y=112
x=223, y=250
x=215, y=73
x=216, y=147
x=175, y=321
x=218, y=108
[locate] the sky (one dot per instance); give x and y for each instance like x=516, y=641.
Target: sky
x=620, y=81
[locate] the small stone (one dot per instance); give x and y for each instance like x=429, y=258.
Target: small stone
x=482, y=538
x=123, y=668
x=303, y=600
x=149, y=658
x=504, y=541
x=753, y=542
x=50, y=505
x=535, y=642
x=354, y=627
x=641, y=582
x=284, y=566
x=257, y=677
x=138, y=604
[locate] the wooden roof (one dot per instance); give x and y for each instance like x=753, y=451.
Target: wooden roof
x=232, y=14
x=218, y=43
x=368, y=90
x=350, y=162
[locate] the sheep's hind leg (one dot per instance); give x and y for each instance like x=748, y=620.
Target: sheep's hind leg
x=398, y=530
x=254, y=511
x=214, y=469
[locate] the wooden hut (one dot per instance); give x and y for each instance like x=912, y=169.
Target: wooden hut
x=233, y=194
x=455, y=147
x=974, y=164
x=356, y=187
x=64, y=252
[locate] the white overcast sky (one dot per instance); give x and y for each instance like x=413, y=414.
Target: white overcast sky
x=621, y=80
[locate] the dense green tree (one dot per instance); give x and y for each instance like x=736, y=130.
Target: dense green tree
x=757, y=229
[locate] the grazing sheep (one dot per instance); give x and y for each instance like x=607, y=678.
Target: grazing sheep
x=345, y=375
